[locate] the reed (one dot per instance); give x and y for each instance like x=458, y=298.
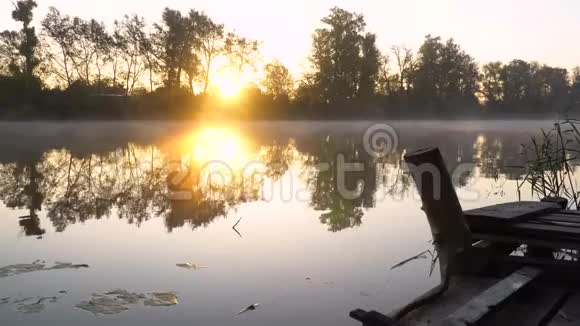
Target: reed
x=550, y=160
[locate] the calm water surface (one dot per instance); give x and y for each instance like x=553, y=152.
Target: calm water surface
x=134, y=199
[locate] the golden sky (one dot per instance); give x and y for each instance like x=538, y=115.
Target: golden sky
x=542, y=30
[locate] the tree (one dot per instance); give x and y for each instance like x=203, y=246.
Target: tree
x=175, y=45
x=91, y=48
x=212, y=46
x=242, y=52
x=59, y=29
x=9, y=55
x=196, y=24
x=169, y=43
x=516, y=79
x=278, y=81
x=444, y=73
x=388, y=84
x=128, y=40
x=29, y=42
x=522, y=85
x=404, y=60
x=308, y=91
x=146, y=50
x=369, y=67
x=554, y=86
x=458, y=75
x=425, y=77
x=18, y=49
x=491, y=83
x=344, y=59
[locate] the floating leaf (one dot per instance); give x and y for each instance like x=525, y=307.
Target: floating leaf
x=36, y=266
x=191, y=266
x=117, y=301
x=249, y=308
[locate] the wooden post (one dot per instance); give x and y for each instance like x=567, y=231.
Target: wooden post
x=451, y=236
x=439, y=199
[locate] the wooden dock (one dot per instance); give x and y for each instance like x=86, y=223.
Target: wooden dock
x=508, y=264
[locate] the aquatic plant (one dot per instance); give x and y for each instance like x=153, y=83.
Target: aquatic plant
x=550, y=161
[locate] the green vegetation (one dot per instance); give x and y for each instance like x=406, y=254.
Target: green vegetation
x=550, y=163
x=187, y=65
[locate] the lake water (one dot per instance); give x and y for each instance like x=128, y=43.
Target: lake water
x=132, y=200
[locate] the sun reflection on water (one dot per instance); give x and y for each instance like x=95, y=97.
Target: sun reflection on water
x=218, y=144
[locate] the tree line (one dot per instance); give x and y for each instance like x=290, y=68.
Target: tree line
x=133, y=68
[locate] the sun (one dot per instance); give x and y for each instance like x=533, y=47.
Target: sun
x=228, y=85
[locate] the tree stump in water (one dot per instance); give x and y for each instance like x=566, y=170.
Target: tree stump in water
x=439, y=199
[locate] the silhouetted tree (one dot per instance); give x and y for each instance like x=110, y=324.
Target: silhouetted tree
x=176, y=45
x=170, y=45
x=491, y=83
x=128, y=39
x=59, y=29
x=278, y=81
x=19, y=49
x=185, y=51
x=405, y=65
x=340, y=52
x=212, y=46
x=90, y=49
x=241, y=52
x=28, y=40
x=444, y=74
x=9, y=56
x=369, y=67
x=517, y=82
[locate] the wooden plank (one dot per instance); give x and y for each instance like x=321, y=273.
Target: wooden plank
x=461, y=290
x=533, y=306
x=534, y=229
x=559, y=217
x=555, y=222
x=569, y=212
x=492, y=298
x=521, y=239
x=545, y=263
x=545, y=231
x=569, y=314
x=510, y=212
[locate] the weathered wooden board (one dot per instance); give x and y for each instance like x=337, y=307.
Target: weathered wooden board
x=492, y=298
x=569, y=314
x=570, y=212
x=533, y=306
x=510, y=212
x=555, y=222
x=544, y=228
x=560, y=217
x=523, y=239
x=545, y=231
x=461, y=290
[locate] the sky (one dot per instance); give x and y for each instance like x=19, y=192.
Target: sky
x=542, y=30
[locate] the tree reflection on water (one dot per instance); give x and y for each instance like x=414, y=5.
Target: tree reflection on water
x=133, y=181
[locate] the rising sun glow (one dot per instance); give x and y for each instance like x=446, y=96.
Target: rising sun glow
x=228, y=85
